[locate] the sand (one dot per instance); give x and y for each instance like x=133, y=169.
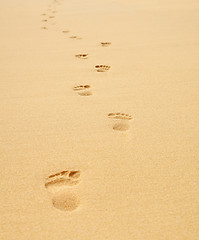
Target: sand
x=117, y=159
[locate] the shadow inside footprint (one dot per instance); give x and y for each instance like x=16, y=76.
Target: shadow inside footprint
x=121, y=126
x=65, y=201
x=85, y=93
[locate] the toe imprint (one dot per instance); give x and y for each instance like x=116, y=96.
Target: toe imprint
x=82, y=56
x=81, y=87
x=105, y=44
x=102, y=68
x=118, y=115
x=64, y=178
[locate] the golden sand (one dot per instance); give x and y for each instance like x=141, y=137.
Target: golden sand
x=73, y=167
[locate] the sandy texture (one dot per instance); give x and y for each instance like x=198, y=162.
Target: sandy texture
x=117, y=159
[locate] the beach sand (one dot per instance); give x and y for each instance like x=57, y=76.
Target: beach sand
x=99, y=155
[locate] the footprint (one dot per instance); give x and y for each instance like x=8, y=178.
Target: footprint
x=45, y=28
x=43, y=14
x=59, y=185
x=105, y=44
x=65, y=31
x=82, y=56
x=75, y=37
x=102, y=68
x=81, y=87
x=51, y=16
x=122, y=125
x=83, y=90
x=44, y=20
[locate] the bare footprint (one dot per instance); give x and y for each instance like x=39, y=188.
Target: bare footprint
x=82, y=56
x=105, y=44
x=44, y=20
x=45, y=28
x=65, y=31
x=81, y=87
x=121, y=119
x=75, y=37
x=102, y=68
x=83, y=90
x=58, y=185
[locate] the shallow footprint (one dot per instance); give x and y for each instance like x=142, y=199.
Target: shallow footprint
x=81, y=87
x=75, y=37
x=121, y=121
x=85, y=93
x=121, y=126
x=102, y=68
x=45, y=28
x=83, y=90
x=65, y=31
x=105, y=44
x=82, y=56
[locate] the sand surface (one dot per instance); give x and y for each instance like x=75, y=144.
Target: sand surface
x=114, y=179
